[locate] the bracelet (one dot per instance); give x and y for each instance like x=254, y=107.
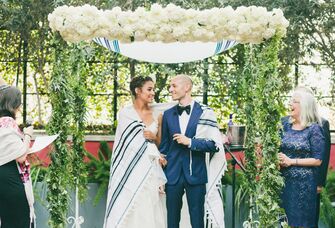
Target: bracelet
x=296, y=162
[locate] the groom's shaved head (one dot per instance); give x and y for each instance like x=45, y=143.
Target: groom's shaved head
x=185, y=79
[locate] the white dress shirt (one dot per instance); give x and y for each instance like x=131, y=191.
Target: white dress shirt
x=184, y=118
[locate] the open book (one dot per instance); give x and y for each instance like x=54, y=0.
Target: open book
x=42, y=142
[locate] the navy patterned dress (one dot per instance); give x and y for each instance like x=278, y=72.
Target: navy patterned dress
x=299, y=194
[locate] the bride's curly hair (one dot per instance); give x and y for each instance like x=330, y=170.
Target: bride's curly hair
x=138, y=82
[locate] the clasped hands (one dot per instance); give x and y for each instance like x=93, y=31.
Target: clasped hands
x=284, y=161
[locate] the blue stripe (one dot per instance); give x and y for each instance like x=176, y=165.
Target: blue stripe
x=126, y=176
x=209, y=120
x=132, y=134
x=218, y=47
x=116, y=46
x=98, y=40
x=227, y=45
x=107, y=44
x=123, y=135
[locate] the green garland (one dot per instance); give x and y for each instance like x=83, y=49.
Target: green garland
x=263, y=107
x=78, y=85
x=61, y=98
x=269, y=105
x=248, y=98
x=68, y=95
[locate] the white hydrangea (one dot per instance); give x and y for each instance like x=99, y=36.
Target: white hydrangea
x=170, y=24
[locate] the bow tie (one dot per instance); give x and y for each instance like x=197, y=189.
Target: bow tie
x=181, y=109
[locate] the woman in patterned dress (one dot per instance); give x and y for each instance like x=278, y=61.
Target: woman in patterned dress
x=302, y=144
x=16, y=199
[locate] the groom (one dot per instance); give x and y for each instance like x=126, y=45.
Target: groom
x=185, y=155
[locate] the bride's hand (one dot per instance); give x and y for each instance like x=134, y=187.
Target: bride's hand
x=161, y=189
x=149, y=135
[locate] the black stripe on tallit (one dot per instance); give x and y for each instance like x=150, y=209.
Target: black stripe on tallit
x=126, y=176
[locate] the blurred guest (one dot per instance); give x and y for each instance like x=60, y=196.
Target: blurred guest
x=302, y=149
x=16, y=196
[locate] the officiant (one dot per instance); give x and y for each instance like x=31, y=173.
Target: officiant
x=16, y=194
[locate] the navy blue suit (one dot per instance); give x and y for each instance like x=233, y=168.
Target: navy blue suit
x=181, y=177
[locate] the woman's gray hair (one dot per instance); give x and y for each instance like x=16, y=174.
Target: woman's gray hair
x=10, y=100
x=309, y=113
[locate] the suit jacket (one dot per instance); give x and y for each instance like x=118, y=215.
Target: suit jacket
x=179, y=156
x=323, y=169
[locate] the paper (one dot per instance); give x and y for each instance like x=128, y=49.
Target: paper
x=41, y=142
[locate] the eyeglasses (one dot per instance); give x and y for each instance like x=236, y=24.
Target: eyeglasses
x=294, y=102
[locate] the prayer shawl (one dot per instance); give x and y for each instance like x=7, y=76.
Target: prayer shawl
x=216, y=165
x=132, y=165
x=11, y=148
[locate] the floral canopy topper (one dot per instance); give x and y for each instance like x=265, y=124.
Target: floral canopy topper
x=168, y=24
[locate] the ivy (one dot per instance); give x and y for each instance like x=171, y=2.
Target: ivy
x=77, y=61
x=269, y=105
x=248, y=98
x=263, y=109
x=61, y=97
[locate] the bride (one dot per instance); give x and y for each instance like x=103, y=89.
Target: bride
x=135, y=192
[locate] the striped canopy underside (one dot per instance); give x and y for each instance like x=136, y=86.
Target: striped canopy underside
x=158, y=52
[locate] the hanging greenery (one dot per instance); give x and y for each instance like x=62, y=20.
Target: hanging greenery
x=263, y=109
x=248, y=99
x=68, y=99
x=269, y=102
x=61, y=97
x=77, y=61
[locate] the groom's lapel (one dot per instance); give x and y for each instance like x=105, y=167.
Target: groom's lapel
x=194, y=119
x=175, y=120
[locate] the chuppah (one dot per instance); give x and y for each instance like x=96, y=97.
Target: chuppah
x=124, y=32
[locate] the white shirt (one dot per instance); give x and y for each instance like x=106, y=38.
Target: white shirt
x=184, y=118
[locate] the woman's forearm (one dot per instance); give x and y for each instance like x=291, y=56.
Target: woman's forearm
x=305, y=162
x=26, y=142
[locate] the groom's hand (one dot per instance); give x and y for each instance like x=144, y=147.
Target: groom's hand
x=162, y=160
x=182, y=139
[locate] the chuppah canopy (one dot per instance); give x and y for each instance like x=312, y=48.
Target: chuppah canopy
x=159, y=52
x=168, y=34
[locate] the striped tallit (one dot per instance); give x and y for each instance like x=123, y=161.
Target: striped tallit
x=131, y=167
x=216, y=165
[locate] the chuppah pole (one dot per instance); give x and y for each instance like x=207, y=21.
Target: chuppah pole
x=77, y=220
x=235, y=162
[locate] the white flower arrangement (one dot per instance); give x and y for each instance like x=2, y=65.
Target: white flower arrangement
x=170, y=24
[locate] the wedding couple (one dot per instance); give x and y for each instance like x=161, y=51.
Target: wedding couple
x=185, y=140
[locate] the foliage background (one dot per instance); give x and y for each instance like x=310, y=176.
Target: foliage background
x=40, y=63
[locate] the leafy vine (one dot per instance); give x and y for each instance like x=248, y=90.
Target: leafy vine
x=61, y=97
x=79, y=72
x=263, y=108
x=269, y=103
